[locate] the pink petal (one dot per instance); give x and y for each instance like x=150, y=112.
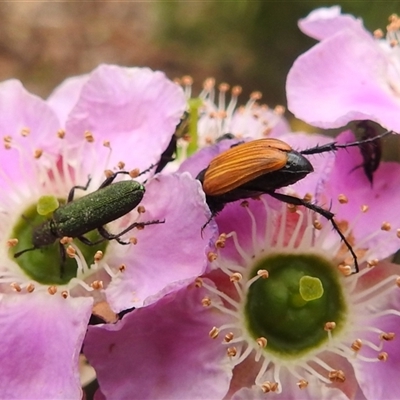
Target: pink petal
x=251, y=224
x=136, y=109
x=64, y=97
x=41, y=338
x=162, y=351
x=341, y=79
x=325, y=22
x=236, y=218
x=292, y=392
x=19, y=111
x=385, y=383
x=200, y=160
x=381, y=198
x=168, y=253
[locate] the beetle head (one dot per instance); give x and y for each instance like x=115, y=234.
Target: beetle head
x=43, y=235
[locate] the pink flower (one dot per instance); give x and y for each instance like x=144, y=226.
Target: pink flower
x=218, y=116
x=210, y=118
x=276, y=311
x=350, y=75
x=114, y=118
x=162, y=351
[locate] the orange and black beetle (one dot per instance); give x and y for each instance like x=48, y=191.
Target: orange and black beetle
x=261, y=167
x=250, y=169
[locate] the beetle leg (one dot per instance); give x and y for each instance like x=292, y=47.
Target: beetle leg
x=334, y=146
x=72, y=191
x=110, y=236
x=105, y=236
x=208, y=221
x=325, y=213
x=227, y=136
x=63, y=259
x=238, y=143
x=147, y=170
x=168, y=154
x=88, y=242
x=108, y=181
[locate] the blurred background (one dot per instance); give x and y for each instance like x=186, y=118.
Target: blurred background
x=248, y=43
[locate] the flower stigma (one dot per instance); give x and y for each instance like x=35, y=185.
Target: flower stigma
x=292, y=307
x=47, y=204
x=310, y=288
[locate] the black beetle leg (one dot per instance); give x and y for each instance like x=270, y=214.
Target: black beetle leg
x=147, y=170
x=63, y=259
x=325, y=213
x=111, y=178
x=110, y=236
x=334, y=146
x=72, y=191
x=208, y=221
x=108, y=181
x=88, y=242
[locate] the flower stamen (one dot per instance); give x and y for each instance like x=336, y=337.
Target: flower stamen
x=302, y=384
x=214, y=333
x=228, y=337
x=383, y=356
x=267, y=387
x=16, y=286
x=388, y=336
x=239, y=249
x=390, y=280
x=337, y=376
x=52, y=290
x=356, y=345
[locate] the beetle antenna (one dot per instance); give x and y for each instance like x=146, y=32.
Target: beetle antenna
x=29, y=222
x=16, y=255
x=334, y=146
x=325, y=213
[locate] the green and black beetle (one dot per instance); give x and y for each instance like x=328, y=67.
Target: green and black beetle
x=91, y=212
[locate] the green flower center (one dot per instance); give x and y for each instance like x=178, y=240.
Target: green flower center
x=291, y=307
x=49, y=265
